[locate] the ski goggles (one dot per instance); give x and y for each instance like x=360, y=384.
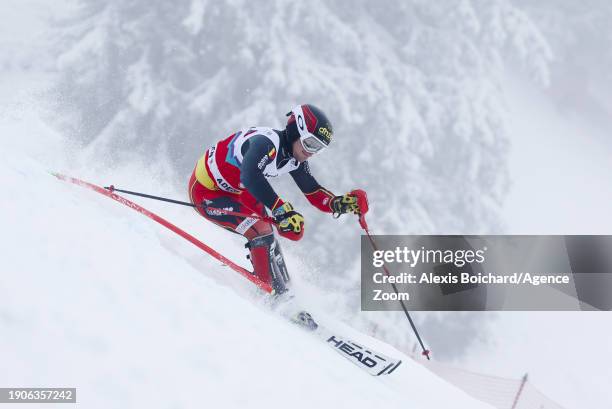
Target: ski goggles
x=309, y=141
x=312, y=144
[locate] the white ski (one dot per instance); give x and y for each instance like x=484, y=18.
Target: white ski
x=372, y=362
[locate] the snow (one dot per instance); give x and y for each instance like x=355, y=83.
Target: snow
x=195, y=20
x=96, y=296
x=566, y=354
x=426, y=79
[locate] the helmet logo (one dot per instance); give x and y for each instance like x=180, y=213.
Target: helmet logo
x=325, y=132
x=300, y=122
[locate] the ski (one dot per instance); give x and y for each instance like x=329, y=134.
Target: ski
x=371, y=361
x=366, y=358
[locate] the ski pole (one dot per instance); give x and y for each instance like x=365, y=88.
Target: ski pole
x=362, y=202
x=268, y=219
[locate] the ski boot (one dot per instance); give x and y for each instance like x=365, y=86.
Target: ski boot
x=305, y=320
x=268, y=263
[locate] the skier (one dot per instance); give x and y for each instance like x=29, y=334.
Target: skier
x=232, y=175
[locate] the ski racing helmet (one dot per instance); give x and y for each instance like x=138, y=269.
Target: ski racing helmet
x=313, y=128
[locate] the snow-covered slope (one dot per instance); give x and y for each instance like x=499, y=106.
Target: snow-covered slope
x=97, y=297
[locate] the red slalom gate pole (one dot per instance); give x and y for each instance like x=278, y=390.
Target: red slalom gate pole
x=362, y=201
x=109, y=193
